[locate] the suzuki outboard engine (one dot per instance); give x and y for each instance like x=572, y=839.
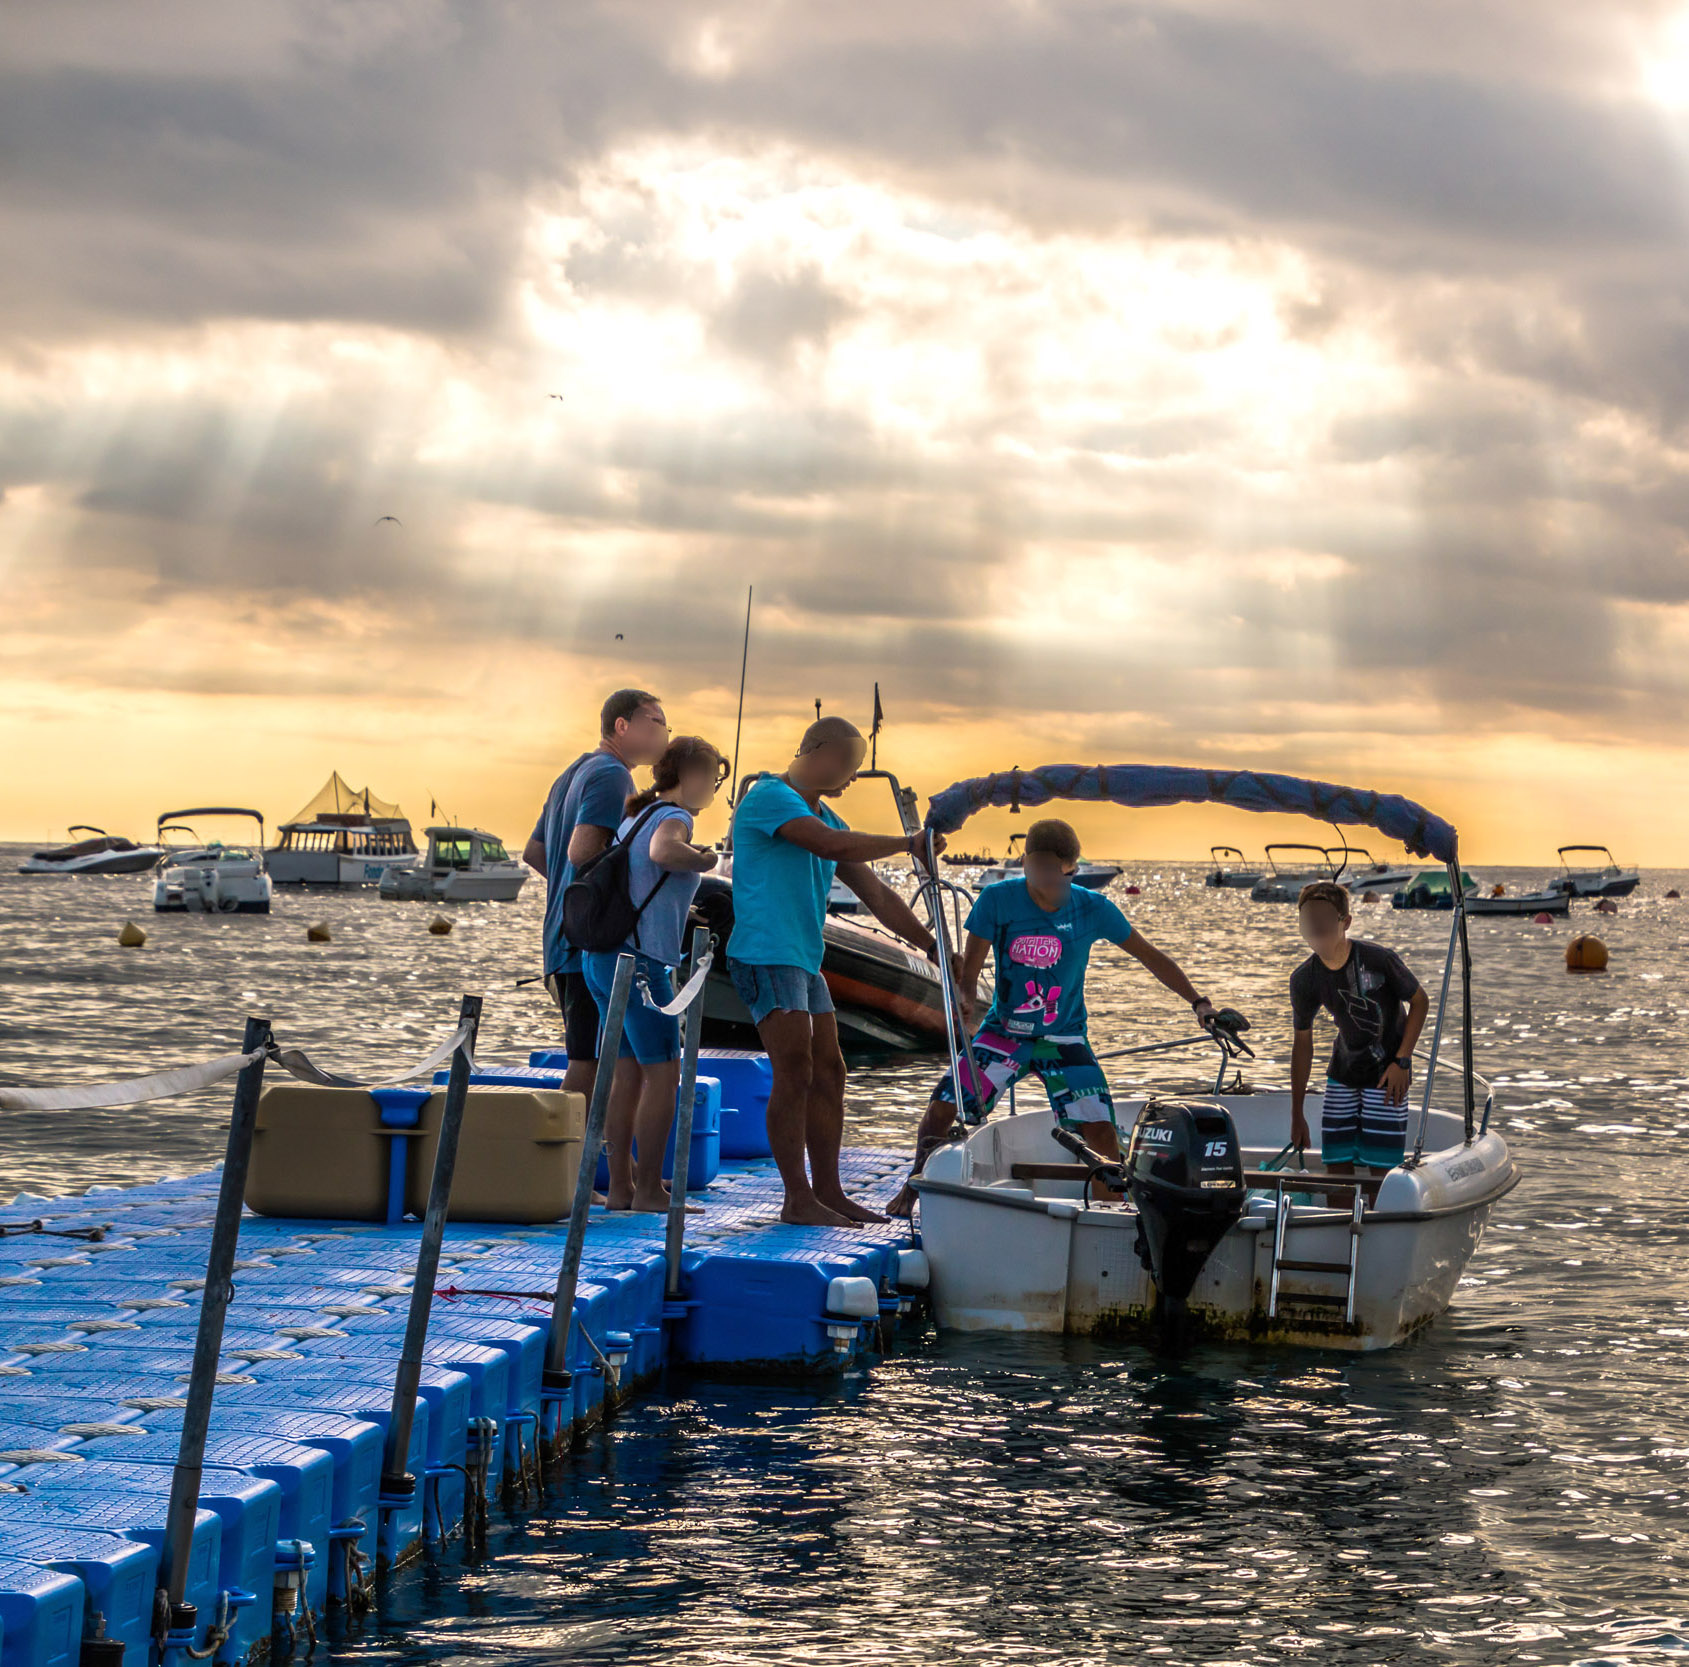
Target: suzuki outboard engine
x=1185, y=1176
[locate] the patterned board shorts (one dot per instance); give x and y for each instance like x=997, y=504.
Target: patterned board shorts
x=1359, y=1125
x=1065, y=1065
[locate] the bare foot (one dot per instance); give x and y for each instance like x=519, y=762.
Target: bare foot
x=650, y=1203
x=903, y=1205
x=851, y=1210
x=813, y=1213
x=599, y=1198
x=619, y=1200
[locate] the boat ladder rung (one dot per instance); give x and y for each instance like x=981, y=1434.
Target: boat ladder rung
x=1283, y=1224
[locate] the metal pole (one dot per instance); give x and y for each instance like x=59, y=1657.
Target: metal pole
x=1470, y=1095
x=739, y=721
x=1437, y=1035
x=556, y=1375
x=395, y=1479
x=675, y=1238
x=208, y=1342
x=946, y=986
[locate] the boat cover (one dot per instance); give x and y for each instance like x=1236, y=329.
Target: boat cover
x=1144, y=785
x=336, y=798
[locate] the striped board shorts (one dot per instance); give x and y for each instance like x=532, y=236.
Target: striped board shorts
x=1065, y=1065
x=1359, y=1125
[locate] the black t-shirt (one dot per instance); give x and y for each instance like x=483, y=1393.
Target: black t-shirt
x=1365, y=997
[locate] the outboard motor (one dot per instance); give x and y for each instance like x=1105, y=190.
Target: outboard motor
x=1185, y=1176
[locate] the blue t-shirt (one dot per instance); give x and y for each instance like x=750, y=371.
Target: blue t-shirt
x=779, y=889
x=661, y=933
x=1041, y=957
x=592, y=791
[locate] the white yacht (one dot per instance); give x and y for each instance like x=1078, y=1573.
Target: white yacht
x=1224, y=875
x=344, y=837
x=102, y=854
x=210, y=877
x=1597, y=880
x=462, y=865
x=1092, y=875
x=1358, y=870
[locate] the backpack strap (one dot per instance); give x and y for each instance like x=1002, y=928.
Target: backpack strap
x=663, y=879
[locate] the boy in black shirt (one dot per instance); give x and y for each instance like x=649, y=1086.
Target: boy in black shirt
x=1364, y=987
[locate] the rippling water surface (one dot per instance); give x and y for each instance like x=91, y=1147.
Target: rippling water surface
x=1510, y=1487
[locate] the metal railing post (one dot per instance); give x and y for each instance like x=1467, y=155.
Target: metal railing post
x=557, y=1376
x=674, y=1239
x=397, y=1484
x=1436, y=1038
x=208, y=1341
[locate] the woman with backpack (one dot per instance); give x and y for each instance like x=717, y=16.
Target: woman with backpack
x=662, y=866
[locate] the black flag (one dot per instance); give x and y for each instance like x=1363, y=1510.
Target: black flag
x=879, y=713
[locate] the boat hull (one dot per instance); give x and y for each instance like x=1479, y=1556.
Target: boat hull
x=1522, y=903
x=1004, y=1258
x=1601, y=885
x=139, y=861
x=1231, y=882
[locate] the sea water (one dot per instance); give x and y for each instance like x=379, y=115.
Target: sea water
x=1508, y=1487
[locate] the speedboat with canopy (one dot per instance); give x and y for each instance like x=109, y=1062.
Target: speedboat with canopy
x=1596, y=880
x=1359, y=870
x=1287, y=875
x=1207, y=1231
x=1223, y=875
x=207, y=876
x=101, y=853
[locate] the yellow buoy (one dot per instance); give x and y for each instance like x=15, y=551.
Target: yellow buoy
x=1586, y=954
x=317, y=933
x=439, y=926
x=131, y=937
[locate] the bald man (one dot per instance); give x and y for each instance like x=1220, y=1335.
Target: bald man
x=787, y=846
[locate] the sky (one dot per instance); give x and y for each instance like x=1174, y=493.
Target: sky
x=1298, y=384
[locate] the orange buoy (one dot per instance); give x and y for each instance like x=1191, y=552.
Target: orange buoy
x=1134, y=891
x=1498, y=890
x=439, y=926
x=1586, y=954
x=1606, y=907
x=1542, y=920
x=317, y=933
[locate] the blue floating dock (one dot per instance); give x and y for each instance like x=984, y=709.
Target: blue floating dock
x=96, y=1344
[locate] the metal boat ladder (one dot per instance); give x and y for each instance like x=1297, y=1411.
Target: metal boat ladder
x=1284, y=1223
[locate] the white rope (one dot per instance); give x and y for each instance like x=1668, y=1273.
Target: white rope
x=295, y=1063
x=688, y=991
x=160, y=1086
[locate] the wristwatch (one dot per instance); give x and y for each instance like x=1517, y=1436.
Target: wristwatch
x=1406, y=1062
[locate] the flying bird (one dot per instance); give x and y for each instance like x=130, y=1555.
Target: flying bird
x=553, y=396
x=393, y=518
x=618, y=636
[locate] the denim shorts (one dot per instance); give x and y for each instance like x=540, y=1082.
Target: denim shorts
x=648, y=1036
x=768, y=990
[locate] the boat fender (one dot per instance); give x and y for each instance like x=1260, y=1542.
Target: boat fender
x=439, y=926
x=1586, y=954
x=913, y=1271
x=853, y=1295
x=1542, y=920
x=131, y=936
x=317, y=933
x=1606, y=907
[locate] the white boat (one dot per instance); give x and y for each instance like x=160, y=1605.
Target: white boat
x=1551, y=901
x=1605, y=880
x=1359, y=871
x=344, y=837
x=1203, y=1232
x=1092, y=875
x=102, y=854
x=462, y=865
x=1226, y=877
x=1284, y=885
x=211, y=877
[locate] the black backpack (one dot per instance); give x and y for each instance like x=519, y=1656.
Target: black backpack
x=599, y=912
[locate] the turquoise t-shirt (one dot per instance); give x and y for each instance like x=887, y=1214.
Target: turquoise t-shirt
x=1041, y=957
x=779, y=889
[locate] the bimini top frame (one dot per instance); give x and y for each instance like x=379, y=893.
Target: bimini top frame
x=1140, y=786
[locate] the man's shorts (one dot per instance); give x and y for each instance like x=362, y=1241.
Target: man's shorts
x=768, y=990
x=580, y=1013
x=1065, y=1065
x=648, y=1036
x=1359, y=1125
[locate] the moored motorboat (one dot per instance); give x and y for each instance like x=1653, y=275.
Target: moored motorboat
x=1604, y=880
x=1093, y=875
x=1225, y=877
x=344, y=837
x=209, y=877
x=102, y=853
x=1359, y=870
x=1434, y=889
x=1548, y=902
x=1209, y=1235
x=462, y=865
x=1284, y=884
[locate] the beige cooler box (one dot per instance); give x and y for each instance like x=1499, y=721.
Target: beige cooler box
x=318, y=1153
x=517, y=1157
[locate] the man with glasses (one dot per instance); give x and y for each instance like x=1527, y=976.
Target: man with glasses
x=581, y=815
x=787, y=846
